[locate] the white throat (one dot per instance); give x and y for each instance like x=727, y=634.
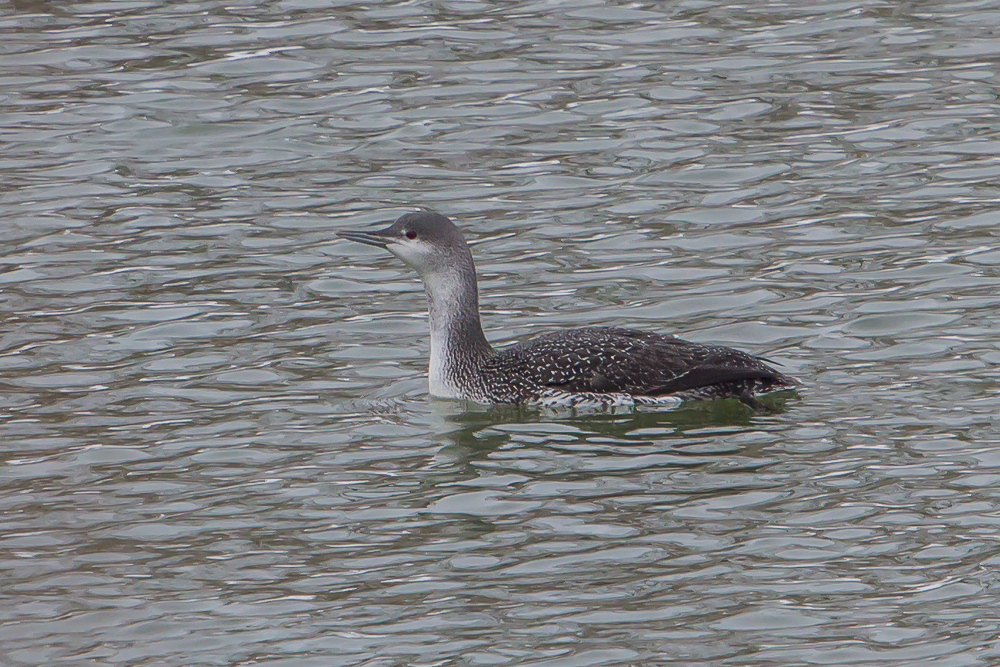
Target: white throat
x=457, y=341
x=446, y=294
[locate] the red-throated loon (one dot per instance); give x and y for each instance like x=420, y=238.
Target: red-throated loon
x=588, y=366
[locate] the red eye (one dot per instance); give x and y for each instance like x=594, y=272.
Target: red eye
x=410, y=234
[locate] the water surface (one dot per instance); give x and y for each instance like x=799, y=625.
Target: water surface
x=218, y=447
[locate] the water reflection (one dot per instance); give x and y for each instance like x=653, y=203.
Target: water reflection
x=215, y=424
x=621, y=423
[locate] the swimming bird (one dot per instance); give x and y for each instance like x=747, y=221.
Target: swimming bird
x=590, y=366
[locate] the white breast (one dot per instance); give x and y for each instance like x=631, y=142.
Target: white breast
x=438, y=381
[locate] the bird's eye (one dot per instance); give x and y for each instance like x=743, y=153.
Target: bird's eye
x=410, y=234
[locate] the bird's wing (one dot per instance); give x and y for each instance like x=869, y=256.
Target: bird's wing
x=609, y=360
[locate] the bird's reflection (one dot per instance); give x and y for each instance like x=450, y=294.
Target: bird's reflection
x=32, y=6
x=479, y=428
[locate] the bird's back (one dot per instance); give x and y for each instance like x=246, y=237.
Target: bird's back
x=612, y=361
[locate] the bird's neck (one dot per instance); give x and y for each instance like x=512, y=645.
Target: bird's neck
x=458, y=345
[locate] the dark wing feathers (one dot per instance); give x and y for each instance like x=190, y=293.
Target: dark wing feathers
x=705, y=376
x=610, y=360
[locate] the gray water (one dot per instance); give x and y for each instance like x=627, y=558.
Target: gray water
x=218, y=447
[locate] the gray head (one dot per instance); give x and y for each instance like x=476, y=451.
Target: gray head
x=428, y=242
x=434, y=247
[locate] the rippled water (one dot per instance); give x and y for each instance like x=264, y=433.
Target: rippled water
x=218, y=448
